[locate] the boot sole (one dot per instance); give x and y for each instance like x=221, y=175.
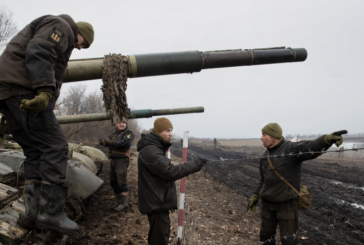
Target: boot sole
x=52, y=227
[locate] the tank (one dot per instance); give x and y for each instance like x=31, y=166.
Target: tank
x=143, y=65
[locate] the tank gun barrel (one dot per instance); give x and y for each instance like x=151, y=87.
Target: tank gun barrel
x=143, y=65
x=145, y=113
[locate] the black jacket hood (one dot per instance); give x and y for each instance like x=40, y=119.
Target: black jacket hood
x=151, y=139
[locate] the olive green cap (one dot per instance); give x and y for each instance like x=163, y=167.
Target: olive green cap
x=87, y=31
x=273, y=129
x=161, y=124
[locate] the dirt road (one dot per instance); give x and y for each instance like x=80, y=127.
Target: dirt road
x=216, y=200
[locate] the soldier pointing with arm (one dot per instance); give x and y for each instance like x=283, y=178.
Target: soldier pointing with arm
x=119, y=143
x=279, y=201
x=31, y=72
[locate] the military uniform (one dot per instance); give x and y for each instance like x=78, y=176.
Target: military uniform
x=279, y=201
x=34, y=61
x=31, y=71
x=156, y=188
x=119, y=153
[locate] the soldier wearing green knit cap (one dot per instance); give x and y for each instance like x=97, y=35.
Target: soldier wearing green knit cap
x=279, y=200
x=32, y=69
x=156, y=176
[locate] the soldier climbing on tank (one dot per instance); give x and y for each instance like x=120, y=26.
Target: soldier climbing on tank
x=31, y=71
x=279, y=201
x=156, y=176
x=119, y=143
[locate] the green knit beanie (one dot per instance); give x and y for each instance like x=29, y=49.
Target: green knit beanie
x=273, y=129
x=161, y=124
x=87, y=31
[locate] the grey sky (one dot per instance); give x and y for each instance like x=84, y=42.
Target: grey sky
x=321, y=95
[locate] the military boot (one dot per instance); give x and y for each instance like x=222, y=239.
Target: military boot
x=51, y=210
x=122, y=200
x=292, y=240
x=267, y=238
x=31, y=195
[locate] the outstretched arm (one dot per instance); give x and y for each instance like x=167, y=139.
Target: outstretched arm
x=162, y=167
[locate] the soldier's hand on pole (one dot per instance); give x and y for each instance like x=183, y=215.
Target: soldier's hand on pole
x=335, y=137
x=252, y=204
x=38, y=104
x=101, y=142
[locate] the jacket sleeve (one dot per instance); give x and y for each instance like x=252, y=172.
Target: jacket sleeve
x=316, y=145
x=162, y=167
x=51, y=40
x=261, y=180
x=122, y=142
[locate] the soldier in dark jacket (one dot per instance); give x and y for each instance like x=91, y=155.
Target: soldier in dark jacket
x=119, y=143
x=31, y=71
x=156, y=176
x=279, y=201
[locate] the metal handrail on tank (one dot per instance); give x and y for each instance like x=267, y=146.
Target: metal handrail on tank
x=143, y=65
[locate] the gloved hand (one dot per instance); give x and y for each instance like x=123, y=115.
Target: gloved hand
x=204, y=160
x=335, y=138
x=105, y=142
x=38, y=104
x=252, y=204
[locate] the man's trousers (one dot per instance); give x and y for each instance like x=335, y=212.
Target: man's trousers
x=159, y=228
x=41, y=138
x=283, y=214
x=119, y=174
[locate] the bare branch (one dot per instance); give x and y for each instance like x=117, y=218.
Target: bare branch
x=8, y=28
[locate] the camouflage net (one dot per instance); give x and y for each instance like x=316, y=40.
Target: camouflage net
x=114, y=78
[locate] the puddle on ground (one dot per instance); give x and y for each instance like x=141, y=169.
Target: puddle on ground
x=353, y=204
x=347, y=185
x=357, y=205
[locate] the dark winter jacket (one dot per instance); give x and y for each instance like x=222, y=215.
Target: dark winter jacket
x=156, y=175
x=270, y=187
x=121, y=142
x=36, y=58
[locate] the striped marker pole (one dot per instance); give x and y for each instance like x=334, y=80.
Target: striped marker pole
x=169, y=153
x=182, y=192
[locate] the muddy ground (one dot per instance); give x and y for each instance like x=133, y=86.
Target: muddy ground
x=216, y=200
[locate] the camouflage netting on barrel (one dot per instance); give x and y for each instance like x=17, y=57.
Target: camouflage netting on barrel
x=114, y=78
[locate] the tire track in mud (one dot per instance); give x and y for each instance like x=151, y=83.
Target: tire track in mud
x=331, y=203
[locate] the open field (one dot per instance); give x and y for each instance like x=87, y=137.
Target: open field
x=216, y=200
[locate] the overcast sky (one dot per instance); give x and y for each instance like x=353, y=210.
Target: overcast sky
x=321, y=95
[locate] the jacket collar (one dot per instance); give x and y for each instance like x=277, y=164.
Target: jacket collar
x=277, y=145
x=116, y=131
